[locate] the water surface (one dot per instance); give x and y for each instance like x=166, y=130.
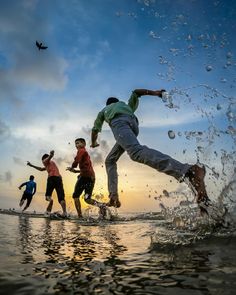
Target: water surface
x=41, y=256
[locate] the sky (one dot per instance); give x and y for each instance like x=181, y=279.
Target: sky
x=97, y=49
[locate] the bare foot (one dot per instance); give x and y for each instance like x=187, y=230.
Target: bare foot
x=196, y=176
x=114, y=201
x=65, y=214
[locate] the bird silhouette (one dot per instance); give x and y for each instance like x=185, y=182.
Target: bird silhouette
x=40, y=45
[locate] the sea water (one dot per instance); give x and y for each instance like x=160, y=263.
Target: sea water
x=149, y=253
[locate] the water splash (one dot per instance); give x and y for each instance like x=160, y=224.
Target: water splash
x=171, y=134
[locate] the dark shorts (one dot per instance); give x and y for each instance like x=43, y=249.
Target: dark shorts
x=28, y=197
x=55, y=182
x=85, y=184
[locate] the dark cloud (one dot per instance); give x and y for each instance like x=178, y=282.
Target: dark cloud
x=96, y=157
x=99, y=154
x=6, y=177
x=7, y=91
x=86, y=130
x=104, y=146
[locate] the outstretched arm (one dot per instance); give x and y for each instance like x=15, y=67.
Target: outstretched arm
x=134, y=98
x=36, y=167
x=141, y=92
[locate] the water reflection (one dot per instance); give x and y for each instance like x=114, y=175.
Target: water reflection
x=25, y=239
x=80, y=257
x=52, y=241
x=64, y=257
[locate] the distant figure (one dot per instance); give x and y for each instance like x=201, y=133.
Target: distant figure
x=54, y=182
x=40, y=45
x=30, y=190
x=86, y=178
x=124, y=125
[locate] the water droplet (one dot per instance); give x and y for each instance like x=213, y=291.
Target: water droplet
x=153, y=35
x=200, y=149
x=232, y=130
x=218, y=107
x=230, y=115
x=189, y=38
x=118, y=14
x=209, y=68
x=164, y=96
x=223, y=80
x=229, y=55
x=171, y=134
x=165, y=193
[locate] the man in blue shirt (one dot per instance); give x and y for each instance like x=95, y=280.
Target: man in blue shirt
x=30, y=190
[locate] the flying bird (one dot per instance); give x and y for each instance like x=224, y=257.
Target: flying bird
x=40, y=45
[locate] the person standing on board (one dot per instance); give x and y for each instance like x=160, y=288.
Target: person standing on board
x=30, y=190
x=86, y=179
x=54, y=181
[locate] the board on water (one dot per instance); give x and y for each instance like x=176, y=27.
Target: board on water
x=54, y=215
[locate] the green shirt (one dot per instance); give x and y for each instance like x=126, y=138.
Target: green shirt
x=110, y=111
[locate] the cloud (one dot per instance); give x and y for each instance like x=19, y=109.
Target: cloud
x=52, y=128
x=5, y=131
x=92, y=60
x=7, y=92
x=104, y=146
x=6, y=177
x=173, y=120
x=24, y=64
x=96, y=157
x=43, y=70
x=63, y=160
x=31, y=4
x=18, y=161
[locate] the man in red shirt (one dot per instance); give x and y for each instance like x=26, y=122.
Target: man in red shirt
x=86, y=178
x=54, y=182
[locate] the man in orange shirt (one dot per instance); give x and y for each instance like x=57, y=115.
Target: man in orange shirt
x=54, y=181
x=86, y=178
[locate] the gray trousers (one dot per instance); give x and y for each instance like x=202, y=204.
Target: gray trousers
x=125, y=130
